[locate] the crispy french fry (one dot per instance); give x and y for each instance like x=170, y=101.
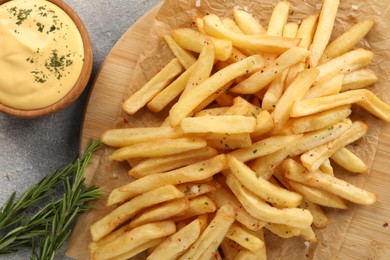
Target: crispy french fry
x=189, y=102
x=274, y=194
x=212, y=235
x=323, y=31
x=192, y=190
x=214, y=111
x=197, y=206
x=228, y=141
x=155, y=148
x=193, y=172
x=308, y=234
x=127, y=210
x=134, y=238
x=260, y=254
x=192, y=40
x=326, y=167
x=358, y=79
x=278, y=18
x=300, y=218
x=218, y=124
x=247, y=23
x=349, y=161
x=320, y=120
x=242, y=107
x=361, y=97
x=162, y=79
x=176, y=244
x=346, y=41
x=259, y=80
x=171, y=162
x=231, y=25
x=127, y=136
x=319, y=218
x=244, y=237
x=185, y=58
x=328, y=87
x=283, y=231
x=264, y=124
x=331, y=184
x=139, y=249
x=199, y=24
x=259, y=43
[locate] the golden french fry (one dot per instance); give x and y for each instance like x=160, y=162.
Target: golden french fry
x=346, y=41
x=171, y=162
x=290, y=30
x=313, y=158
x=228, y=141
x=319, y=218
x=192, y=190
x=244, y=237
x=193, y=172
x=127, y=136
x=139, y=249
x=260, y=79
x=320, y=120
x=231, y=25
x=349, y=161
x=361, y=97
x=242, y=107
x=259, y=209
x=274, y=194
x=326, y=167
x=162, y=79
x=192, y=40
x=189, y=102
x=283, y=231
x=224, y=196
x=127, y=210
x=162, y=147
x=264, y=124
x=323, y=31
x=214, y=111
x=328, y=87
x=133, y=238
x=247, y=23
x=278, y=18
x=274, y=92
x=185, y=58
x=160, y=212
x=308, y=234
x=176, y=244
x=199, y=24
x=358, y=79
x=230, y=124
x=260, y=254
x=296, y=91
x=330, y=184
x=197, y=206
x=259, y=43
x=212, y=235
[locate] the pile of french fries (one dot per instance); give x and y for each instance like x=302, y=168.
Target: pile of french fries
x=257, y=119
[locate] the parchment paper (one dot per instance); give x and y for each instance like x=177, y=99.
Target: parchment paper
x=179, y=13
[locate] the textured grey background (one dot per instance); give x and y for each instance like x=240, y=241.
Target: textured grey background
x=31, y=148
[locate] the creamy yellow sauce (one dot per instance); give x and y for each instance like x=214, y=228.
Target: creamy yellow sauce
x=41, y=54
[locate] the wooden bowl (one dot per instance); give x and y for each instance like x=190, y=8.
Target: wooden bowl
x=82, y=81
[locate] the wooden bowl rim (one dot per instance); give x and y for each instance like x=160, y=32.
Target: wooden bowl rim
x=80, y=84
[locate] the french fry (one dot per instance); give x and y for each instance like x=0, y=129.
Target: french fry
x=330, y=184
x=160, y=212
x=185, y=58
x=231, y=25
x=308, y=234
x=214, y=111
x=313, y=158
x=189, y=102
x=244, y=237
x=264, y=124
x=259, y=209
x=260, y=254
x=261, y=79
x=349, y=161
x=162, y=79
x=283, y=231
x=230, y=124
x=134, y=238
x=176, y=244
x=156, y=148
x=274, y=194
x=346, y=41
x=228, y=141
x=127, y=210
x=193, y=172
x=192, y=40
x=139, y=249
x=230, y=248
x=296, y=91
x=278, y=18
x=242, y=107
x=247, y=23
x=199, y=24
x=259, y=43
x=362, y=97
x=127, y=136
x=358, y=79
x=197, y=206
x=192, y=190
x=323, y=31
x=320, y=220
x=320, y=120
x=171, y=162
x=326, y=167
x=329, y=87
x=212, y=235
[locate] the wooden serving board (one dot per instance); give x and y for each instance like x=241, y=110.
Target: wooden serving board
x=368, y=233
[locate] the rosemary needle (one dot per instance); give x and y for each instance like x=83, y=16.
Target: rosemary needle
x=52, y=222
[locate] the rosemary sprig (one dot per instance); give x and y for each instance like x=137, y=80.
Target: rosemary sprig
x=52, y=222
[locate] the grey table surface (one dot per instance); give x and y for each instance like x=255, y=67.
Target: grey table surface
x=31, y=148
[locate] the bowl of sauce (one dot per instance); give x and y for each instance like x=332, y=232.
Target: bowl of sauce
x=45, y=57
